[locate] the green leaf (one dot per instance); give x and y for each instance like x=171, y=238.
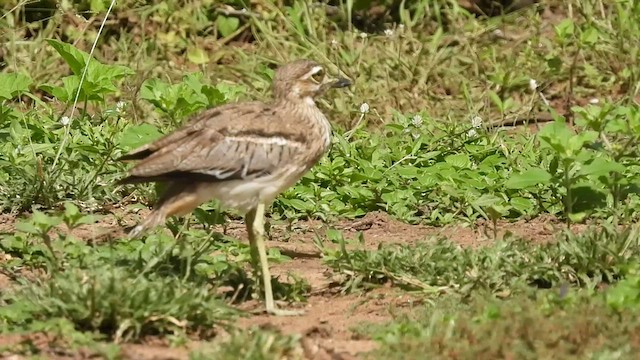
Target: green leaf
x=97, y=6
x=227, y=25
x=76, y=59
x=138, y=135
x=564, y=28
x=602, y=167
x=458, y=160
x=13, y=84
x=487, y=200
x=27, y=227
x=590, y=36
x=39, y=217
x=197, y=55
x=521, y=204
x=528, y=178
x=496, y=100
x=298, y=204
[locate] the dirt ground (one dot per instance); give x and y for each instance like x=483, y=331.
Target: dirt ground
x=327, y=327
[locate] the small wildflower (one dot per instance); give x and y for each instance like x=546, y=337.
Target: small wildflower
x=334, y=43
x=472, y=133
x=533, y=84
x=476, y=122
x=388, y=32
x=401, y=27
x=120, y=106
x=363, y=35
x=594, y=101
x=65, y=120
x=364, y=108
x=416, y=121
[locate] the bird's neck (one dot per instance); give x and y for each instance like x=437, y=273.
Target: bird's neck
x=311, y=119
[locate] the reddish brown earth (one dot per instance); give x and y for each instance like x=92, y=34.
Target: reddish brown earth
x=327, y=327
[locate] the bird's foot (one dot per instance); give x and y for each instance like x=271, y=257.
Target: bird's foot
x=272, y=310
x=285, y=312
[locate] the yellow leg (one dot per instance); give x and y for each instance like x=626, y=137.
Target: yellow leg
x=255, y=227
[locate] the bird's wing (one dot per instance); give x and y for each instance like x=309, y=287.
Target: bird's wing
x=233, y=142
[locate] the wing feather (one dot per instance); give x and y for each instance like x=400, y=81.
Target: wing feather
x=225, y=144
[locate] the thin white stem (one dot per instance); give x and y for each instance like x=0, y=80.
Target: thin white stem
x=84, y=73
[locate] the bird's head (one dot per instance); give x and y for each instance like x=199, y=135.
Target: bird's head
x=303, y=80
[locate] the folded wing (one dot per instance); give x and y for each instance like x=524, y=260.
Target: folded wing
x=220, y=144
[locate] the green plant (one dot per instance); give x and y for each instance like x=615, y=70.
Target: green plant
x=504, y=267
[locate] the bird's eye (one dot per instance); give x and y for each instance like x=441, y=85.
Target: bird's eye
x=318, y=76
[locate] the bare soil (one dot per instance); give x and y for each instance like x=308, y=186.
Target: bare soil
x=327, y=327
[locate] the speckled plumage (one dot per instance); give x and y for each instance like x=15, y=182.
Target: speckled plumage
x=242, y=154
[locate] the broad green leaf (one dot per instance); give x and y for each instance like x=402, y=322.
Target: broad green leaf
x=601, y=166
x=564, y=28
x=298, y=204
x=590, y=36
x=41, y=218
x=521, y=204
x=197, y=55
x=13, y=84
x=27, y=227
x=458, y=160
x=487, y=200
x=528, y=178
x=556, y=135
x=153, y=89
x=76, y=59
x=138, y=135
x=227, y=25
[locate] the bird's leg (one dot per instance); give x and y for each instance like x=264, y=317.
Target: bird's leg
x=255, y=228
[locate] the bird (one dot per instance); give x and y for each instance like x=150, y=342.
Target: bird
x=243, y=154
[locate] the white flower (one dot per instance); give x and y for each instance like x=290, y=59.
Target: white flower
x=401, y=27
x=472, y=133
x=364, y=108
x=416, y=121
x=476, y=122
x=594, y=101
x=120, y=106
x=533, y=84
x=334, y=43
x=363, y=35
x=65, y=120
x=388, y=32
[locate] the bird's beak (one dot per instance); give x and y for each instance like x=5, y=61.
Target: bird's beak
x=340, y=83
x=334, y=83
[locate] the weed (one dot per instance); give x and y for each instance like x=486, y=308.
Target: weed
x=253, y=344
x=422, y=137
x=505, y=267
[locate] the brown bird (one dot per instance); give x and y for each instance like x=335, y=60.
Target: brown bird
x=244, y=155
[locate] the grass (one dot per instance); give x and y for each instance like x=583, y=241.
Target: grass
x=538, y=326
x=598, y=255
x=421, y=136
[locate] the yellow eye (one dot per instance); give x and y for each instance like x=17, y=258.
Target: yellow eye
x=318, y=76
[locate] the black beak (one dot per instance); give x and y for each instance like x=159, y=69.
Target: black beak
x=340, y=83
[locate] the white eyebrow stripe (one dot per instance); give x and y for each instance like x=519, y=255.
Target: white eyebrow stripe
x=313, y=71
